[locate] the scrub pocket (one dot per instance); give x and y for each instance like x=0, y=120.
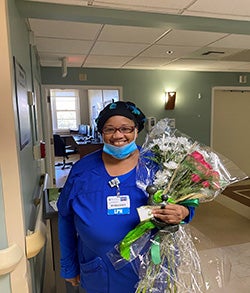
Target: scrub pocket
x=94, y=276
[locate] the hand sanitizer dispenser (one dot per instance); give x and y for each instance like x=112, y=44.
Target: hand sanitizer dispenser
x=150, y=123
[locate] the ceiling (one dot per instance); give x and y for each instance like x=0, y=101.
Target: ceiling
x=197, y=35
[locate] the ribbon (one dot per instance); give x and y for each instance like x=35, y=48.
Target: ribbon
x=132, y=236
x=155, y=251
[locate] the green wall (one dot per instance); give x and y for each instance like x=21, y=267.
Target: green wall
x=146, y=88
x=24, y=54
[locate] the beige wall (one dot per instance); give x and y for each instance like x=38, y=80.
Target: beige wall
x=9, y=163
x=231, y=120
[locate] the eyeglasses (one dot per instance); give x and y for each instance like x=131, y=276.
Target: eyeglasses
x=122, y=129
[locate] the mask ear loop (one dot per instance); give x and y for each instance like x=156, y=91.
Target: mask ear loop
x=135, y=134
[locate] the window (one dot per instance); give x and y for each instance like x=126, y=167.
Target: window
x=65, y=109
x=98, y=99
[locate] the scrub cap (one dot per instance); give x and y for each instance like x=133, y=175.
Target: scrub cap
x=126, y=109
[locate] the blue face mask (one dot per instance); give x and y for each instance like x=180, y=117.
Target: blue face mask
x=120, y=152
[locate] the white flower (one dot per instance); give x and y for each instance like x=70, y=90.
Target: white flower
x=162, y=177
x=184, y=141
x=170, y=165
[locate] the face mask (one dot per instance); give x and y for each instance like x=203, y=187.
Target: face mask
x=120, y=152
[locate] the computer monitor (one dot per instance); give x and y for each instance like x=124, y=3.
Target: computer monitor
x=83, y=129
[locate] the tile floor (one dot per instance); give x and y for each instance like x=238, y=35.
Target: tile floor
x=61, y=175
x=224, y=234
x=222, y=237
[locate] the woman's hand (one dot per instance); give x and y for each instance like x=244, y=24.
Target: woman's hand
x=171, y=214
x=74, y=281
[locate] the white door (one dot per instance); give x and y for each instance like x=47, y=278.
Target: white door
x=230, y=133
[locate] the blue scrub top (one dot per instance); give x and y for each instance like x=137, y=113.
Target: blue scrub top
x=87, y=232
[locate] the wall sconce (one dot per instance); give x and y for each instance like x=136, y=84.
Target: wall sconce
x=170, y=100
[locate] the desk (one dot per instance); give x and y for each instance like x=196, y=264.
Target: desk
x=53, y=265
x=85, y=147
x=57, y=283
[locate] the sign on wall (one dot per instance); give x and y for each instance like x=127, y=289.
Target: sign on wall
x=22, y=104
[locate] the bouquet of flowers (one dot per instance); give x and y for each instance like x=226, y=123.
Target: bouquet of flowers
x=172, y=169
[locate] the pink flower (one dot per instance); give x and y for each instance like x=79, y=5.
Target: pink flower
x=205, y=184
x=203, y=170
x=216, y=175
x=195, y=178
x=197, y=156
x=208, y=166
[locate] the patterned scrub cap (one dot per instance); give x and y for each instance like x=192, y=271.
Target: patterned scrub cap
x=126, y=109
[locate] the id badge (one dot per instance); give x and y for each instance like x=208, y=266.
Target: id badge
x=118, y=205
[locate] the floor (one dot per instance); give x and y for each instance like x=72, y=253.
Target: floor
x=61, y=175
x=222, y=238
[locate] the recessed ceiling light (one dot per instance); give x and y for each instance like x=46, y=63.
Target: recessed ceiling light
x=170, y=52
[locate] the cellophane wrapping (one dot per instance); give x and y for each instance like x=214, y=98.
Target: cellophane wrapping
x=182, y=267
x=181, y=171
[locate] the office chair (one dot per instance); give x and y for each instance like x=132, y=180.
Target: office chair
x=62, y=150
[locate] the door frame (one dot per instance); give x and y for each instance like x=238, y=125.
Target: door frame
x=222, y=199
x=47, y=121
x=220, y=88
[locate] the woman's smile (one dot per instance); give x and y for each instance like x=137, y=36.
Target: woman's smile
x=119, y=142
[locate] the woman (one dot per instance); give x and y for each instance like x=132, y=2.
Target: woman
x=97, y=206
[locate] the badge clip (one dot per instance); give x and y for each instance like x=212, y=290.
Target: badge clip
x=115, y=183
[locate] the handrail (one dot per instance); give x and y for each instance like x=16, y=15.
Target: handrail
x=12, y=255
x=9, y=258
x=35, y=240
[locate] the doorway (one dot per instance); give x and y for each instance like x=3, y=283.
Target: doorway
x=91, y=100
x=230, y=133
